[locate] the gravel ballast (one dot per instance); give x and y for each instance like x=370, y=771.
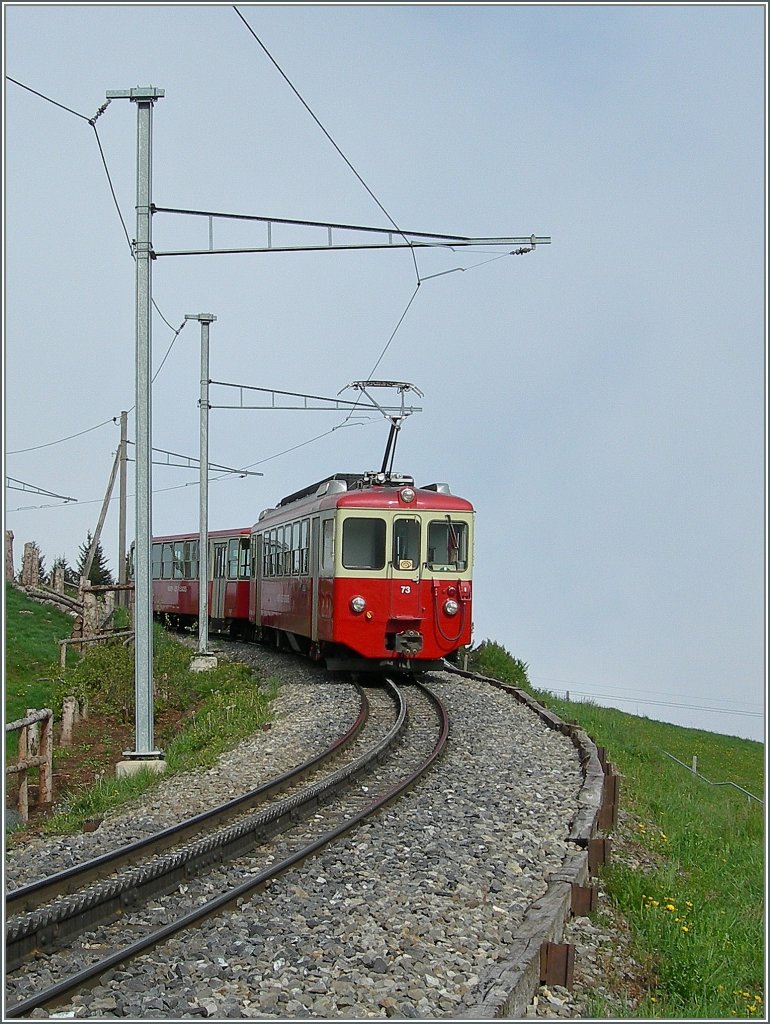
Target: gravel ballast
x=404, y=918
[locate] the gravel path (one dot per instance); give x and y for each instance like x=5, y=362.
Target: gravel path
x=403, y=918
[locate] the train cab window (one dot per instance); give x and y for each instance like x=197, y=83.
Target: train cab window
x=448, y=545
x=327, y=547
x=363, y=543
x=406, y=543
x=244, y=559
x=232, y=559
x=156, y=560
x=167, y=563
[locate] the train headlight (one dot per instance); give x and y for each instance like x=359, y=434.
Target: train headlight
x=407, y=495
x=451, y=607
x=357, y=604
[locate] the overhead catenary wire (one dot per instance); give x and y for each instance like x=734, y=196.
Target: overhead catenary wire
x=91, y=121
x=47, y=98
x=296, y=92
x=61, y=440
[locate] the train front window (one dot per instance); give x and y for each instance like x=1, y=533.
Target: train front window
x=448, y=545
x=363, y=543
x=406, y=544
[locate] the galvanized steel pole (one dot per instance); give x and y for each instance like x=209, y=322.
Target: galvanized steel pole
x=205, y=319
x=122, y=509
x=143, y=673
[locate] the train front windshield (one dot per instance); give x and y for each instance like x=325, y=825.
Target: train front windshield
x=447, y=546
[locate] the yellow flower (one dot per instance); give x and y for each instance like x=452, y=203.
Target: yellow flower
x=685, y=928
x=670, y=906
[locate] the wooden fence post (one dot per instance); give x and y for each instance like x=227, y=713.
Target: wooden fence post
x=30, y=568
x=9, y=555
x=23, y=800
x=58, y=578
x=45, y=791
x=69, y=710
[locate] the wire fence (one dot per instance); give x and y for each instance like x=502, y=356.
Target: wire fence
x=694, y=769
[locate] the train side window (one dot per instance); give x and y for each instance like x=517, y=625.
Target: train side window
x=270, y=548
x=363, y=543
x=448, y=545
x=244, y=558
x=272, y=571
x=281, y=557
x=304, y=548
x=191, y=560
x=167, y=562
x=295, y=549
x=327, y=548
x=179, y=560
x=156, y=560
x=288, y=549
x=232, y=558
x=406, y=543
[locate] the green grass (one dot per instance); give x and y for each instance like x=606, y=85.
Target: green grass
x=227, y=703
x=697, y=913
x=230, y=703
x=32, y=632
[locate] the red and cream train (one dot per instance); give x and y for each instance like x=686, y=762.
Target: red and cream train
x=365, y=571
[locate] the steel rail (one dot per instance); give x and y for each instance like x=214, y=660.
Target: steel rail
x=104, y=901
x=256, y=883
x=30, y=896
x=55, y=923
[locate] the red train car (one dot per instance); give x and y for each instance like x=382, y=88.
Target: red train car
x=362, y=570
x=175, y=579
x=365, y=571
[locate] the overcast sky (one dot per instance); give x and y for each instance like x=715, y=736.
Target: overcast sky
x=600, y=400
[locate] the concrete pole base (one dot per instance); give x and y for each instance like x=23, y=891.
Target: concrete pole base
x=203, y=662
x=125, y=768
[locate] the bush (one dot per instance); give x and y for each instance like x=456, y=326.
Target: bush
x=492, y=659
x=104, y=677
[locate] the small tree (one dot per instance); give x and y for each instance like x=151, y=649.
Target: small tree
x=99, y=574
x=70, y=576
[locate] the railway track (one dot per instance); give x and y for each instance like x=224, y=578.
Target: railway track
x=392, y=745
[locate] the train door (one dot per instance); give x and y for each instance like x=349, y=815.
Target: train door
x=219, y=581
x=404, y=568
x=255, y=587
x=315, y=533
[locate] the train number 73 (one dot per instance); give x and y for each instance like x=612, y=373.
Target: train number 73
x=406, y=589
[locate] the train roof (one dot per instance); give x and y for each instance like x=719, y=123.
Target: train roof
x=365, y=490
x=240, y=531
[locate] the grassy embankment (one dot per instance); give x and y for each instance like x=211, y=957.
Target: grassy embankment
x=32, y=632
x=697, y=913
x=211, y=710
